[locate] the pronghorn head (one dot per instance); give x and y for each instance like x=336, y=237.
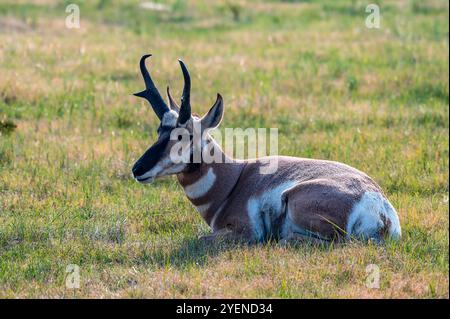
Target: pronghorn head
x=173, y=151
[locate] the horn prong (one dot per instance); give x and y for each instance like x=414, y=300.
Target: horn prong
x=151, y=93
x=173, y=105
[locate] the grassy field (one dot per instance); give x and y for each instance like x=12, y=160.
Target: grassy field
x=70, y=130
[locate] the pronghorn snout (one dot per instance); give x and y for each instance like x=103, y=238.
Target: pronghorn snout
x=136, y=171
x=143, y=178
x=141, y=171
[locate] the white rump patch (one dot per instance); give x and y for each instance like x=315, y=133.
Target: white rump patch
x=365, y=220
x=201, y=186
x=264, y=208
x=169, y=118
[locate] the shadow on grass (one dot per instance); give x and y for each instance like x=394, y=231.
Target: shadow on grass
x=195, y=252
x=189, y=252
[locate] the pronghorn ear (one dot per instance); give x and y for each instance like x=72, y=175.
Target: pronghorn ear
x=213, y=118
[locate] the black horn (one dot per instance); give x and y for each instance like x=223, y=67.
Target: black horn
x=185, y=109
x=151, y=93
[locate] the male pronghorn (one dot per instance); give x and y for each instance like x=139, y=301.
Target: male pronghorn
x=304, y=199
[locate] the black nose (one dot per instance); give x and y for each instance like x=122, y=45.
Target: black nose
x=137, y=170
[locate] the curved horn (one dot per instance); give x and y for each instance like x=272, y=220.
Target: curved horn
x=173, y=105
x=185, y=109
x=151, y=93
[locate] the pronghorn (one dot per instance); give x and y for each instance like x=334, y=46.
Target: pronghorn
x=303, y=200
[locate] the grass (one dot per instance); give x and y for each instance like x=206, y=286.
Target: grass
x=70, y=130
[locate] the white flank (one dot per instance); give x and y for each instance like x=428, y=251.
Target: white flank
x=266, y=207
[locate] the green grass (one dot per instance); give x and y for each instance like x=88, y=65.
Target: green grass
x=70, y=130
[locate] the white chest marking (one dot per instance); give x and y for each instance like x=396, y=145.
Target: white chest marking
x=201, y=186
x=264, y=208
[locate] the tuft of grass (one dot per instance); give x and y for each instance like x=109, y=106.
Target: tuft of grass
x=7, y=126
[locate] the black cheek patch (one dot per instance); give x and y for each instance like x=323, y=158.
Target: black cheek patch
x=151, y=156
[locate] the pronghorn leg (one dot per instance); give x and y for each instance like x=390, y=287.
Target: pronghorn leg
x=317, y=208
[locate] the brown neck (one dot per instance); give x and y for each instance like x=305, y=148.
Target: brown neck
x=208, y=185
